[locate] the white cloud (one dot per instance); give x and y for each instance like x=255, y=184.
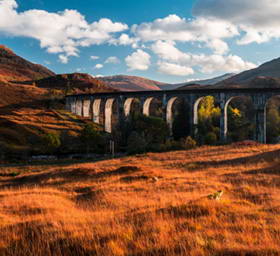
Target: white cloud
x=112, y=60
x=168, y=53
x=259, y=20
x=94, y=57
x=63, y=59
x=174, y=69
x=173, y=28
x=62, y=32
x=138, y=60
x=97, y=76
x=98, y=66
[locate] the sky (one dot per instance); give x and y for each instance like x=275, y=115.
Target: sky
x=171, y=41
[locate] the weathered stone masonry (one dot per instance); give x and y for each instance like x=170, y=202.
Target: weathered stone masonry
x=89, y=105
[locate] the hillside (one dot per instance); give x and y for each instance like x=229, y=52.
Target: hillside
x=15, y=68
x=74, y=83
x=118, y=207
x=131, y=83
x=205, y=82
x=268, y=69
x=31, y=108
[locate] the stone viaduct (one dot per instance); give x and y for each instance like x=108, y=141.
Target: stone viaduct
x=90, y=105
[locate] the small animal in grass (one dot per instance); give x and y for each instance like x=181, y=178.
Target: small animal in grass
x=154, y=179
x=216, y=196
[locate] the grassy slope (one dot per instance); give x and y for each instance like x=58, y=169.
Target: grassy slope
x=24, y=117
x=99, y=209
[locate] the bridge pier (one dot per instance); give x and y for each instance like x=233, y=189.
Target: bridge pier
x=96, y=111
x=86, y=108
x=260, y=123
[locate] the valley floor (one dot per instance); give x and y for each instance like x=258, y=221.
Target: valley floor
x=152, y=204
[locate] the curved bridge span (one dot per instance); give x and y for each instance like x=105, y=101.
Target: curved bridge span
x=94, y=105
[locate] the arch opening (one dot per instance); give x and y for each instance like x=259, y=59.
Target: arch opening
x=177, y=117
x=153, y=107
x=111, y=113
x=96, y=111
x=239, y=115
x=132, y=106
x=206, y=120
x=272, y=121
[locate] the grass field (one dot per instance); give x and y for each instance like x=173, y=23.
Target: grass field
x=152, y=204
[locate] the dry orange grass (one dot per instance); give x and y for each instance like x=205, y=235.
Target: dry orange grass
x=116, y=208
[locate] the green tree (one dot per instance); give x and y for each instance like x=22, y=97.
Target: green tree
x=51, y=142
x=92, y=139
x=153, y=130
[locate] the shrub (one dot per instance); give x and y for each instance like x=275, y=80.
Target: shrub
x=188, y=143
x=51, y=142
x=92, y=139
x=210, y=138
x=170, y=145
x=136, y=144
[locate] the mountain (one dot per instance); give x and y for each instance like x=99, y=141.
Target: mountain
x=269, y=69
x=15, y=68
x=74, y=83
x=205, y=82
x=132, y=83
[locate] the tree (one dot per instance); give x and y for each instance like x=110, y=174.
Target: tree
x=92, y=139
x=208, y=119
x=51, y=142
x=153, y=130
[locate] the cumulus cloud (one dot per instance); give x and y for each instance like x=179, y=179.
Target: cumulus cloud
x=173, y=28
x=174, y=69
x=112, y=60
x=63, y=59
x=94, y=57
x=62, y=32
x=259, y=20
x=98, y=66
x=168, y=53
x=138, y=60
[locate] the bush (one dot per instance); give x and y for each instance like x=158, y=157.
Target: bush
x=51, y=142
x=92, y=139
x=210, y=138
x=188, y=143
x=136, y=144
x=170, y=145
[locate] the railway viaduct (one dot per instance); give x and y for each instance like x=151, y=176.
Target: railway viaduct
x=92, y=105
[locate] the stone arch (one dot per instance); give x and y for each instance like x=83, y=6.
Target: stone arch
x=169, y=113
x=96, y=111
x=127, y=106
x=147, y=105
x=225, y=111
x=79, y=107
x=109, y=115
x=272, y=108
x=196, y=113
x=195, y=110
x=86, y=108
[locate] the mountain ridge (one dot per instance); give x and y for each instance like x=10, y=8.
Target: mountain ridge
x=16, y=68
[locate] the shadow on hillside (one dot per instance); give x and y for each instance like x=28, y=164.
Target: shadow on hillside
x=61, y=177
x=34, y=104
x=267, y=156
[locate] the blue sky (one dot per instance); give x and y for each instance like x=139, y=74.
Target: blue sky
x=166, y=40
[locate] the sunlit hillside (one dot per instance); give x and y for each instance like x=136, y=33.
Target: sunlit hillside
x=152, y=204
